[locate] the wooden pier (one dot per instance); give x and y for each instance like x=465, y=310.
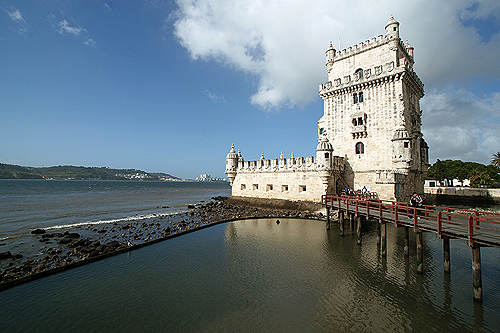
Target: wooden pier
x=477, y=228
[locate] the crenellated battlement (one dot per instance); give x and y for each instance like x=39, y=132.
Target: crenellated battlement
x=291, y=164
x=369, y=44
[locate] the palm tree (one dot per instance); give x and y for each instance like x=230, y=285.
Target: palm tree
x=496, y=159
x=479, y=178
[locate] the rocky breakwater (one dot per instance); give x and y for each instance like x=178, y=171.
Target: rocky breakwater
x=71, y=248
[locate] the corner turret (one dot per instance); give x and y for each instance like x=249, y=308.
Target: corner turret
x=330, y=56
x=324, y=153
x=231, y=164
x=392, y=29
x=401, y=148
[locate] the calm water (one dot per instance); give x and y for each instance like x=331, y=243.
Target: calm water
x=244, y=276
x=29, y=204
x=257, y=276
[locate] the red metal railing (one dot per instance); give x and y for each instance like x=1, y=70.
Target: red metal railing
x=463, y=223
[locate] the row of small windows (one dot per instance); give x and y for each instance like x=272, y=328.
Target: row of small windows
x=270, y=187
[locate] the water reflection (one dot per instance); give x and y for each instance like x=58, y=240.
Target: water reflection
x=256, y=275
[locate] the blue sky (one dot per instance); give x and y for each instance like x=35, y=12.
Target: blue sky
x=170, y=85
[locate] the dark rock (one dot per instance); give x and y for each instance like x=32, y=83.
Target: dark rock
x=64, y=241
x=74, y=235
x=112, y=244
x=5, y=255
x=17, y=256
x=190, y=206
x=38, y=231
x=95, y=243
x=77, y=243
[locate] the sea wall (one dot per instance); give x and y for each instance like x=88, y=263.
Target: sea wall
x=459, y=195
x=269, y=203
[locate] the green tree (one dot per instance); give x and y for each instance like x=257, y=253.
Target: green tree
x=480, y=178
x=496, y=159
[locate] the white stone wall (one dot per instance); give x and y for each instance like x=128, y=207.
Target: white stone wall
x=295, y=186
x=391, y=102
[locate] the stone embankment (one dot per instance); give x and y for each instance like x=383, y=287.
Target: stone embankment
x=63, y=250
x=462, y=195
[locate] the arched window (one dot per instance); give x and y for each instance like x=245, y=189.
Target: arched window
x=358, y=74
x=360, y=148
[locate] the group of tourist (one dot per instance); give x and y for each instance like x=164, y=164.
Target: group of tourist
x=364, y=191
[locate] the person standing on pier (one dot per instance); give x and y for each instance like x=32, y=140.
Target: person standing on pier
x=415, y=201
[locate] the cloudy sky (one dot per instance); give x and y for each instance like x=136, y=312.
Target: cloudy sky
x=170, y=85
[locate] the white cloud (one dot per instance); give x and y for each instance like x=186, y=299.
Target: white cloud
x=65, y=28
x=459, y=125
x=21, y=26
x=214, y=97
x=15, y=15
x=283, y=43
x=90, y=42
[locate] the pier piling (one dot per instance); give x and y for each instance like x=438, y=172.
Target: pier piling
x=358, y=230
x=379, y=235
x=446, y=253
x=327, y=218
x=476, y=272
x=420, y=253
x=341, y=223
x=407, y=241
x=383, y=236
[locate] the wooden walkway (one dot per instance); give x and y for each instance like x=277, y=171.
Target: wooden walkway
x=477, y=228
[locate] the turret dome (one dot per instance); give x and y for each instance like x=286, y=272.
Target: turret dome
x=232, y=153
x=324, y=144
x=392, y=28
x=401, y=134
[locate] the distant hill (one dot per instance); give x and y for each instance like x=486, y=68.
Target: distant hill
x=8, y=171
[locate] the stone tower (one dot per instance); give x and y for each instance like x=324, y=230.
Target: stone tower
x=372, y=115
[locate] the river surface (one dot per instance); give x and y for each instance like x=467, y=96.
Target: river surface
x=242, y=276
x=260, y=276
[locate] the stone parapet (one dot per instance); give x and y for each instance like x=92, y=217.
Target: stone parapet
x=292, y=164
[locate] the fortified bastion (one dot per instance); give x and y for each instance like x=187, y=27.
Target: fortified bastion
x=369, y=135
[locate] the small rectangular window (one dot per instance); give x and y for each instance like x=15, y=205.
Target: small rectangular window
x=361, y=97
x=302, y=188
x=327, y=155
x=406, y=144
x=360, y=120
x=269, y=187
x=284, y=188
x=255, y=187
x=243, y=186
